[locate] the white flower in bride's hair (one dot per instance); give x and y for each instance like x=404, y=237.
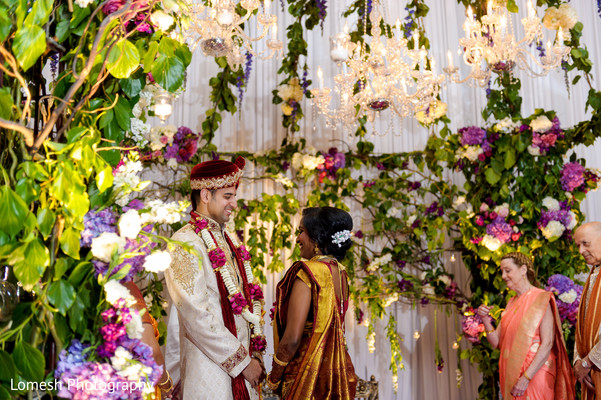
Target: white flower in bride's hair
x=115, y=291
x=158, y=261
x=105, y=244
x=130, y=224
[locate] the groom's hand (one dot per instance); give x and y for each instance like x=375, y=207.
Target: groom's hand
x=253, y=372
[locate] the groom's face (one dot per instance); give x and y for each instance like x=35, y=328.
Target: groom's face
x=221, y=204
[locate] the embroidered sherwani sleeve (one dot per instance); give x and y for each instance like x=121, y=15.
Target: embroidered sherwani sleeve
x=200, y=312
x=595, y=354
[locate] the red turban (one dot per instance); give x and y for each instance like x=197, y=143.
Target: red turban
x=216, y=174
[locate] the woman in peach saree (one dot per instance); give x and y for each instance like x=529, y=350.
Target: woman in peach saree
x=533, y=363
x=311, y=361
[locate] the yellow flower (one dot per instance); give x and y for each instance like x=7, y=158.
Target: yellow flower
x=287, y=109
x=436, y=110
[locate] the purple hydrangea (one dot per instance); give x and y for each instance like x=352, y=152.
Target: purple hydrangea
x=500, y=229
x=95, y=222
x=472, y=135
x=572, y=176
x=560, y=285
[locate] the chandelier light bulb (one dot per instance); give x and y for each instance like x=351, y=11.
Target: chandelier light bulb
x=450, y=57
x=225, y=18
x=452, y=257
x=416, y=335
x=320, y=76
x=455, y=345
x=531, y=11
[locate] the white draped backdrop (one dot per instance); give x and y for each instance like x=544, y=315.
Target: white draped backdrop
x=257, y=127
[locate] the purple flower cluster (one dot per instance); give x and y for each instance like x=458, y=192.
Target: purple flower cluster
x=185, y=144
x=567, y=295
x=500, y=229
x=333, y=162
x=102, y=379
x=472, y=135
x=409, y=22
x=323, y=10
x=562, y=215
x=472, y=326
x=95, y=222
x=572, y=176
x=138, y=13
x=404, y=285
x=434, y=208
x=548, y=139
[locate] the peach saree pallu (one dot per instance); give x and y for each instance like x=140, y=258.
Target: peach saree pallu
x=321, y=368
x=519, y=342
x=587, y=332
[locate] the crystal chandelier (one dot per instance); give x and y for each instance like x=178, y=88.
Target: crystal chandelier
x=389, y=75
x=219, y=30
x=490, y=46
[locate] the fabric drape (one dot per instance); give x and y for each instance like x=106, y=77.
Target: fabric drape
x=587, y=332
x=519, y=342
x=321, y=368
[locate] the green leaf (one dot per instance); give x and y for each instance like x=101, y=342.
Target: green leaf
x=184, y=54
x=123, y=59
x=29, y=362
x=76, y=315
x=492, y=176
x=6, y=100
x=132, y=87
x=76, y=133
x=509, y=158
x=62, y=30
x=168, y=72
x=70, y=242
x=32, y=258
x=150, y=56
x=61, y=266
x=80, y=271
x=39, y=12
x=62, y=295
x=4, y=393
x=104, y=179
x=7, y=367
x=46, y=218
x=28, y=190
x=29, y=44
x=13, y=211
x=123, y=113
x=5, y=24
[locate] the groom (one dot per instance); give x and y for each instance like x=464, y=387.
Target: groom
x=219, y=310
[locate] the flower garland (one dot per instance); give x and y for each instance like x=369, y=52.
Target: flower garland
x=238, y=302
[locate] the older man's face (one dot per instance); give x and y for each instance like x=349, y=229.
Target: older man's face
x=588, y=240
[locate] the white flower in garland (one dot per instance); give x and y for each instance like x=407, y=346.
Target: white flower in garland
x=470, y=152
x=507, y=125
x=390, y=299
x=135, y=327
x=139, y=131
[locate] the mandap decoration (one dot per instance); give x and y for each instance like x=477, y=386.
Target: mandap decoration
x=76, y=225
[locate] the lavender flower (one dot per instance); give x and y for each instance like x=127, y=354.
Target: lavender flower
x=242, y=80
x=500, y=229
x=322, y=5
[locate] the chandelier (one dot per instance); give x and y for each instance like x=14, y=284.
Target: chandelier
x=490, y=46
x=218, y=28
x=388, y=75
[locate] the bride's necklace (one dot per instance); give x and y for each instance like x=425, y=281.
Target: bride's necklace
x=236, y=297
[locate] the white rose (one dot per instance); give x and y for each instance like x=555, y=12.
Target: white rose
x=115, y=291
x=541, y=124
x=554, y=229
x=568, y=297
x=105, y=244
x=551, y=203
x=135, y=327
x=392, y=212
x=130, y=224
x=158, y=261
x=472, y=152
x=428, y=290
x=534, y=150
x=568, y=17
x=491, y=242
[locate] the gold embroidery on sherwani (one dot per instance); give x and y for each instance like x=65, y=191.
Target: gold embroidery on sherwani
x=184, y=268
x=235, y=359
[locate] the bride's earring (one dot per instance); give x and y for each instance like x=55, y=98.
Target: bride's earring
x=316, y=249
